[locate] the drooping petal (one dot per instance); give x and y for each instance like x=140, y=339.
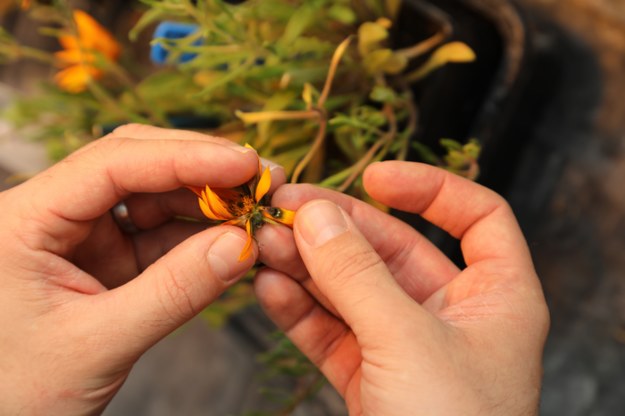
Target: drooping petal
x=264, y=183
x=216, y=205
x=247, y=249
x=207, y=211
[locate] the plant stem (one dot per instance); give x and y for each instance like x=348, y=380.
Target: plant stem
x=319, y=139
x=413, y=119
x=423, y=46
x=360, y=166
x=323, y=124
x=302, y=394
x=334, y=63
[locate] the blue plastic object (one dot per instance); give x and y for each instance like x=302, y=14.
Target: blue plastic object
x=171, y=30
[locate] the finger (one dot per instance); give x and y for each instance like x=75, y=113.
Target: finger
x=418, y=266
x=146, y=132
x=172, y=290
x=151, y=210
x=325, y=340
x=480, y=218
x=116, y=261
x=277, y=250
x=111, y=169
x=349, y=272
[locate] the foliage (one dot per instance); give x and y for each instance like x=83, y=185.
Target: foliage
x=315, y=85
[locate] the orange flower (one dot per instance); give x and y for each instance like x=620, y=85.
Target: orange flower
x=244, y=206
x=80, y=51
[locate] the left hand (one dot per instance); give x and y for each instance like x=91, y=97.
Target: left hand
x=80, y=300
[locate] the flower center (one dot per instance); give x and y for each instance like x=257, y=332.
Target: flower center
x=242, y=206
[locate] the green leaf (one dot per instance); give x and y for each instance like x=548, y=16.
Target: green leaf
x=370, y=35
x=451, y=144
x=298, y=23
x=425, y=153
x=149, y=17
x=343, y=14
x=383, y=94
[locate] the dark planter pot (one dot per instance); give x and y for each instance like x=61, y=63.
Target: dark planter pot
x=476, y=100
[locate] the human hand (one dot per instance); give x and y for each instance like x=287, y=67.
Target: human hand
x=80, y=300
x=392, y=323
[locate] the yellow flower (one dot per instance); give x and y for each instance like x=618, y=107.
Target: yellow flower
x=80, y=52
x=244, y=206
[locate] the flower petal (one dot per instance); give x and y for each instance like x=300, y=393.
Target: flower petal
x=264, y=183
x=92, y=35
x=196, y=190
x=278, y=215
x=287, y=217
x=217, y=206
x=75, y=78
x=247, y=249
x=206, y=210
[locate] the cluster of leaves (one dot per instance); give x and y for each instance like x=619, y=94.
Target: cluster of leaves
x=314, y=85
x=270, y=73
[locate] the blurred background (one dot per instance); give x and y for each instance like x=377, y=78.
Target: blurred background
x=564, y=118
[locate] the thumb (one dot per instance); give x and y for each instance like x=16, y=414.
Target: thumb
x=175, y=288
x=348, y=271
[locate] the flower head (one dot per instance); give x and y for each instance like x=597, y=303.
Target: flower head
x=244, y=206
x=80, y=51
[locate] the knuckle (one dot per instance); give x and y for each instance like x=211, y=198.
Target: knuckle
x=350, y=260
x=173, y=297
x=129, y=130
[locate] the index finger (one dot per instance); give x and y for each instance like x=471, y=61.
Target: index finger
x=481, y=219
x=88, y=183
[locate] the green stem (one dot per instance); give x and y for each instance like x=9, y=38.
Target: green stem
x=360, y=166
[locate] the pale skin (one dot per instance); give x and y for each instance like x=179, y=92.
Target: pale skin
x=80, y=301
x=392, y=323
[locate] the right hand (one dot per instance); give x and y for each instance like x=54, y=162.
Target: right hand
x=392, y=323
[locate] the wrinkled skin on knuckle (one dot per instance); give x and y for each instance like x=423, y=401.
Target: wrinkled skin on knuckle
x=344, y=261
x=173, y=296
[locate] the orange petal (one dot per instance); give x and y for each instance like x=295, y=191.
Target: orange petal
x=284, y=217
x=75, y=78
x=206, y=210
x=217, y=206
x=287, y=217
x=92, y=35
x=69, y=42
x=196, y=190
x=74, y=56
x=247, y=250
x=264, y=183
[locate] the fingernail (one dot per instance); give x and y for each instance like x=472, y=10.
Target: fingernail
x=320, y=222
x=271, y=165
x=241, y=149
x=223, y=258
